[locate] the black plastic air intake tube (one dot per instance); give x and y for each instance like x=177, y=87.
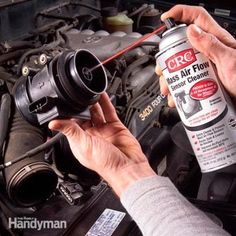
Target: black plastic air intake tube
x=31, y=180
x=5, y=110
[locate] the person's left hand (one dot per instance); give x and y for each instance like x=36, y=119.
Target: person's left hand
x=106, y=146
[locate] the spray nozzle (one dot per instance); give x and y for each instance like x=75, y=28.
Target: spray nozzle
x=170, y=23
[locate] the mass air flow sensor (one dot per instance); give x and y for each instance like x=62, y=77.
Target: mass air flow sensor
x=66, y=87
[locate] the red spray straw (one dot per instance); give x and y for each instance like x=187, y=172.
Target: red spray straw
x=131, y=46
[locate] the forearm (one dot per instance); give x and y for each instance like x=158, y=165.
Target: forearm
x=121, y=179
x=159, y=209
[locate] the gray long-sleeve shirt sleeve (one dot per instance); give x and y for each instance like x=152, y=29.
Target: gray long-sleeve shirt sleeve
x=159, y=209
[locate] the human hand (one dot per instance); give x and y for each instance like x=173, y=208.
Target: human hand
x=106, y=146
x=210, y=39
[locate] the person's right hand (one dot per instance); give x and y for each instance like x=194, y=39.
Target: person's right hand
x=210, y=39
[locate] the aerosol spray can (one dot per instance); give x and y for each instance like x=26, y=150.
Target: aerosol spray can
x=207, y=115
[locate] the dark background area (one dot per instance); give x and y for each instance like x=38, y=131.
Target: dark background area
x=17, y=18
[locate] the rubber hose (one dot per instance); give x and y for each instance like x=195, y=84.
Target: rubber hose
x=31, y=180
x=5, y=110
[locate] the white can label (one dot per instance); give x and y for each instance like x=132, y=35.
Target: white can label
x=209, y=121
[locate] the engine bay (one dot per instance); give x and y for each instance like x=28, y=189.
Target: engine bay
x=42, y=41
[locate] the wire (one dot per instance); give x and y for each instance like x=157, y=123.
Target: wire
x=11, y=55
x=7, y=77
x=144, y=6
x=141, y=15
x=34, y=151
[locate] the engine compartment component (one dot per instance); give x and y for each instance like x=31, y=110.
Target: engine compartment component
x=45, y=62
x=29, y=181
x=53, y=92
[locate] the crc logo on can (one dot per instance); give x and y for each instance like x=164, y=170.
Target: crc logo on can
x=180, y=60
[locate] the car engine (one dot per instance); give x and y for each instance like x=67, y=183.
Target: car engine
x=54, y=41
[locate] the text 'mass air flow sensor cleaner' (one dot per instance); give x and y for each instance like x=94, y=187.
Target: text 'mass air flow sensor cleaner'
x=207, y=114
